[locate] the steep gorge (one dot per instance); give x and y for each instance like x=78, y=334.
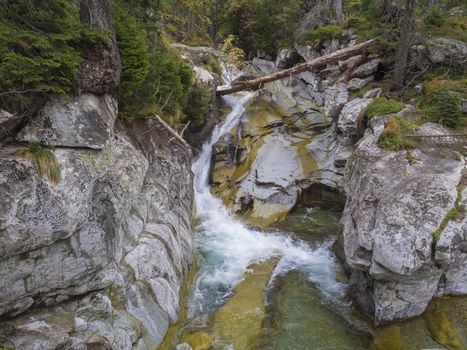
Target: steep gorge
x=95, y=257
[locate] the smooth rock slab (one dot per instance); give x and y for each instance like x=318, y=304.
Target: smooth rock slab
x=85, y=121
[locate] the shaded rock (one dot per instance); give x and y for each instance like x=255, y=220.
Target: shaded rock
x=374, y=93
x=335, y=98
x=286, y=58
x=358, y=83
x=451, y=255
x=84, y=121
x=366, y=69
x=9, y=124
x=264, y=66
x=347, y=124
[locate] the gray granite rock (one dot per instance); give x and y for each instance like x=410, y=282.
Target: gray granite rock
x=359, y=83
x=393, y=208
x=117, y=222
x=85, y=121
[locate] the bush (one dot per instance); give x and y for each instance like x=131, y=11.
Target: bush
x=434, y=18
x=322, y=34
x=40, y=43
x=447, y=109
x=442, y=102
x=197, y=106
x=134, y=51
x=382, y=106
x=155, y=79
x=394, y=135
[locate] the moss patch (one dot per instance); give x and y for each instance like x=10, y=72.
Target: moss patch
x=382, y=106
x=457, y=213
x=394, y=136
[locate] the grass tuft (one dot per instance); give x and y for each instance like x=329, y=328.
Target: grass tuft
x=44, y=160
x=394, y=136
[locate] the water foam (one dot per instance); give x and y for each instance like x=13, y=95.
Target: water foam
x=227, y=246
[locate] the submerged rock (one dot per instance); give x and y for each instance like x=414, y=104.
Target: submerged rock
x=239, y=321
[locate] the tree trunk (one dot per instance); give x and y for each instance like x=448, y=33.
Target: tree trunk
x=407, y=28
x=340, y=55
x=339, y=10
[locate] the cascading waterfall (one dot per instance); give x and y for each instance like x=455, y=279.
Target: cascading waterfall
x=227, y=247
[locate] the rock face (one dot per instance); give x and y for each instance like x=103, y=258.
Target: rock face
x=105, y=249
x=440, y=50
x=84, y=121
x=395, y=203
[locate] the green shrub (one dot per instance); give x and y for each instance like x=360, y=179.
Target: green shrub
x=382, y=106
x=39, y=45
x=134, y=51
x=211, y=63
x=434, y=17
x=322, y=34
x=394, y=135
x=155, y=79
x=446, y=109
x=44, y=160
x=197, y=106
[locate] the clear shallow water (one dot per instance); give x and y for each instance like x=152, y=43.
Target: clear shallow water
x=227, y=247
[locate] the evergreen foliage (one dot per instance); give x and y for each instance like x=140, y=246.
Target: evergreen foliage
x=40, y=45
x=447, y=109
x=134, y=51
x=264, y=24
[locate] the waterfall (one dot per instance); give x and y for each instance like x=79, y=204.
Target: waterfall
x=227, y=246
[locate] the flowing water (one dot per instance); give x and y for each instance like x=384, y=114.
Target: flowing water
x=228, y=249
x=276, y=289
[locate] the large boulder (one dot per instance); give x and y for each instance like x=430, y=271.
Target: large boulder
x=395, y=203
x=110, y=242
x=85, y=121
x=440, y=50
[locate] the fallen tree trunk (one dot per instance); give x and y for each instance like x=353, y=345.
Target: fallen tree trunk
x=257, y=83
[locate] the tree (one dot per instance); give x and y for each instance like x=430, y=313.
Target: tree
x=407, y=27
x=339, y=10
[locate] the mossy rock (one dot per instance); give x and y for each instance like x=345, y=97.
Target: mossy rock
x=240, y=321
x=199, y=340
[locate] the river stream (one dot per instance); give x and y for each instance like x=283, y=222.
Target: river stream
x=279, y=288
